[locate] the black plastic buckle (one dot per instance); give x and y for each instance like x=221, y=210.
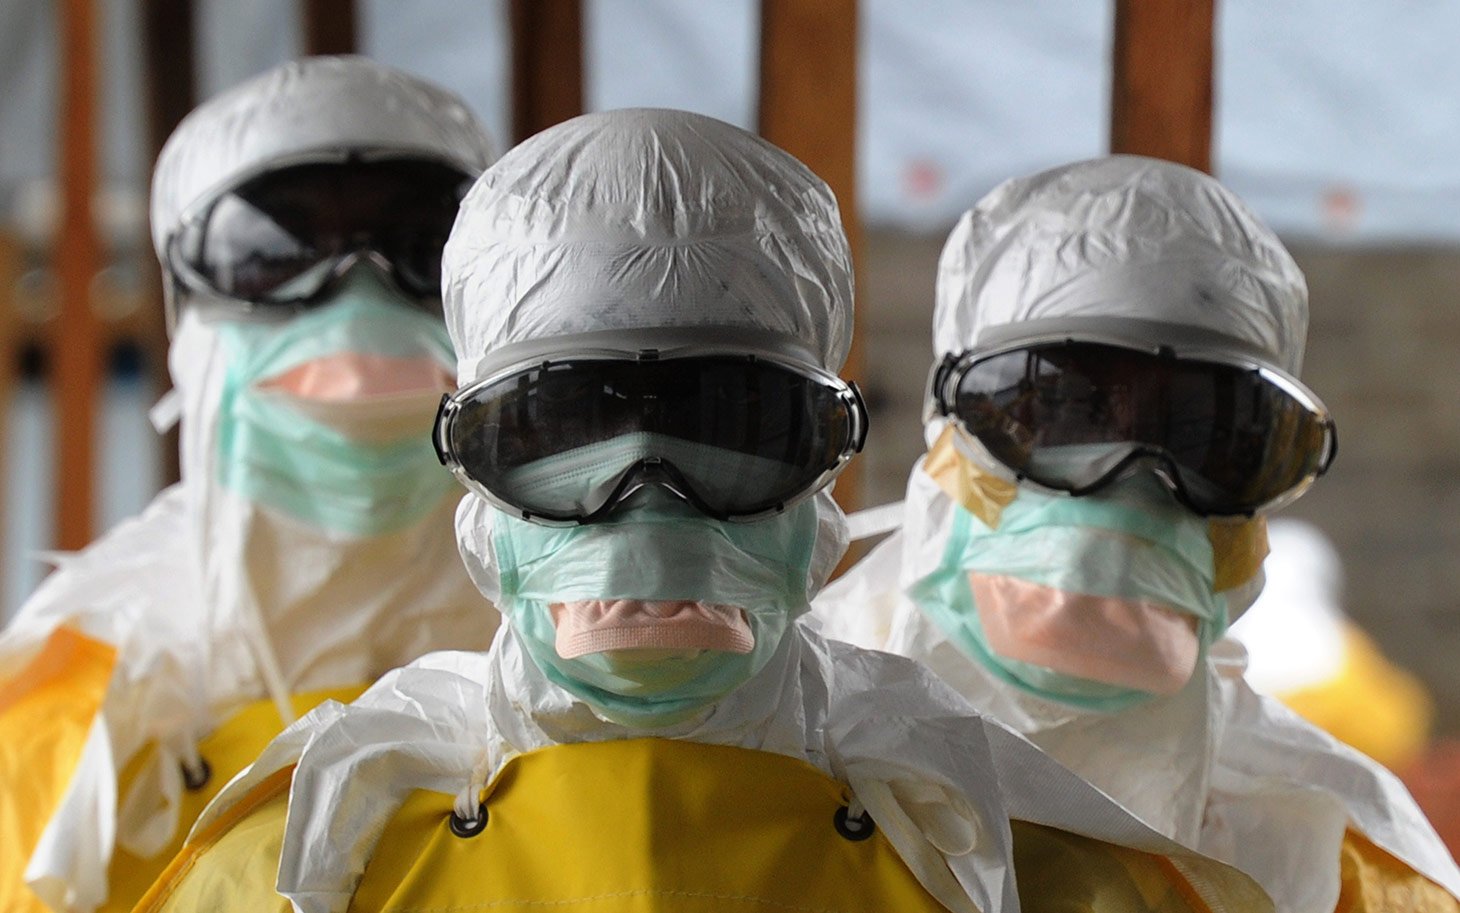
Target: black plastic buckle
x=438, y=429
x=941, y=374
x=862, y=421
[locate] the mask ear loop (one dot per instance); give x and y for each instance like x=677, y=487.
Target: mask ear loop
x=166, y=412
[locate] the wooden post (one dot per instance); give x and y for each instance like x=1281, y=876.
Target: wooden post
x=808, y=106
x=330, y=27
x=1161, y=93
x=168, y=66
x=77, y=359
x=10, y=343
x=169, y=73
x=547, y=64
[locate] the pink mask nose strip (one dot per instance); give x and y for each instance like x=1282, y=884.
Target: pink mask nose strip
x=1125, y=642
x=352, y=375
x=599, y=625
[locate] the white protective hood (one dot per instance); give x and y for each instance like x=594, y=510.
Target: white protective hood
x=1128, y=241
x=1150, y=253
x=323, y=609
x=637, y=221
x=722, y=231
x=715, y=230
x=210, y=601
x=317, y=103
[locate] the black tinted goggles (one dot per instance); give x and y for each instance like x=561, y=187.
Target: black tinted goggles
x=566, y=441
x=279, y=240
x=1230, y=439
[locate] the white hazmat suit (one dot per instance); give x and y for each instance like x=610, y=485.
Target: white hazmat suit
x=174, y=623
x=1153, y=254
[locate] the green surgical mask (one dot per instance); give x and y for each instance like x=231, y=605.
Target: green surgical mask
x=361, y=468
x=1130, y=543
x=659, y=550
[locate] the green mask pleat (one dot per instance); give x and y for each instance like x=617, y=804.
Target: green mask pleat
x=1163, y=556
x=273, y=455
x=657, y=551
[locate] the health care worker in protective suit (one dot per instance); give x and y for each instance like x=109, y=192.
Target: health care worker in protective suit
x=1114, y=408
x=648, y=309
x=299, y=220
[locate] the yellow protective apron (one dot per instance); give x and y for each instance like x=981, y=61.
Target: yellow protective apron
x=1372, y=881
x=644, y=826
x=45, y=714
x=230, y=748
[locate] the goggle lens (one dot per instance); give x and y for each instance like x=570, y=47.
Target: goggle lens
x=1071, y=416
x=735, y=436
x=281, y=238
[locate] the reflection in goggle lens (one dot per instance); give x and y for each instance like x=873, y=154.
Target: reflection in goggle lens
x=734, y=436
x=1071, y=416
x=283, y=237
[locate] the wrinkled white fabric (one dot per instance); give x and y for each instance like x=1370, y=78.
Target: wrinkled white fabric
x=723, y=231
x=64, y=845
x=324, y=608
x=1151, y=253
x=211, y=601
x=136, y=589
x=930, y=773
x=1273, y=769
x=1121, y=237
x=313, y=609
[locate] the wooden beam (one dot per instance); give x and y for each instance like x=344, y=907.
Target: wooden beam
x=808, y=106
x=169, y=72
x=78, y=255
x=330, y=27
x=168, y=66
x=10, y=344
x=547, y=64
x=1161, y=93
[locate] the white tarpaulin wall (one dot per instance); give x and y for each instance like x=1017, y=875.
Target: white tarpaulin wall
x=1336, y=118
